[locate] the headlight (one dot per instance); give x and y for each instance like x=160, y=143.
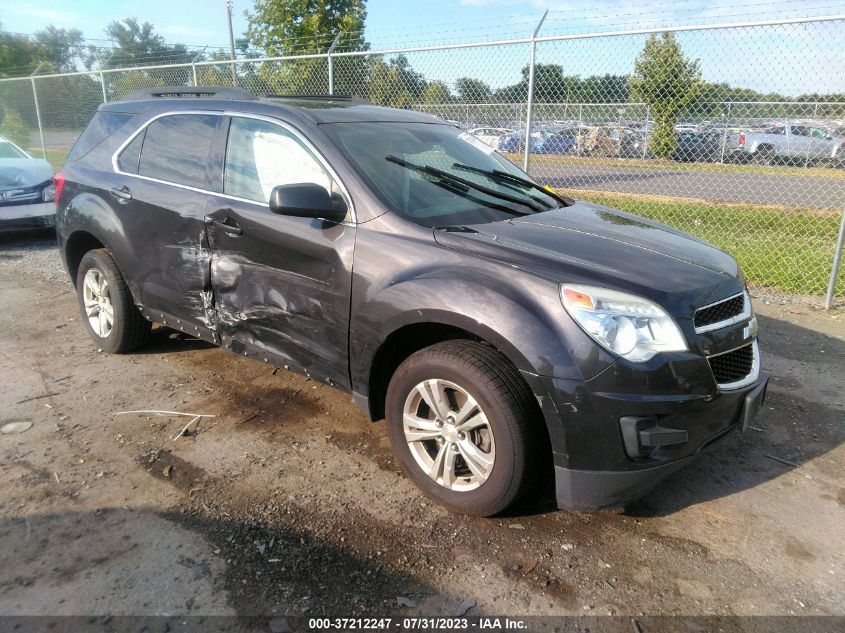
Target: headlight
x=624, y=324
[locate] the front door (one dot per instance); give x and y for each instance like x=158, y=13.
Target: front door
x=281, y=285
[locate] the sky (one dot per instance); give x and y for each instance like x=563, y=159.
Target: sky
x=739, y=57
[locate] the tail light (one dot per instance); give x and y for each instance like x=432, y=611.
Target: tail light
x=59, y=182
x=741, y=139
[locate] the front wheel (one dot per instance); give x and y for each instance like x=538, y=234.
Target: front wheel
x=458, y=417
x=109, y=315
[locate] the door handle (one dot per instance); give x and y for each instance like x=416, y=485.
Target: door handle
x=225, y=226
x=121, y=194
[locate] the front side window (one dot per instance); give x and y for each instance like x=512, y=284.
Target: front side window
x=261, y=155
x=175, y=148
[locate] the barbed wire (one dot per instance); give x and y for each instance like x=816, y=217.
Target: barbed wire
x=559, y=21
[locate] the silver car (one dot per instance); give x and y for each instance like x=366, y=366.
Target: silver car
x=781, y=142
x=26, y=190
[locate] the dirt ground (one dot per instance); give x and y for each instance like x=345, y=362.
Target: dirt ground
x=288, y=501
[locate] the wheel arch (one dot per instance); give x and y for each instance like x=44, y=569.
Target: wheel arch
x=76, y=245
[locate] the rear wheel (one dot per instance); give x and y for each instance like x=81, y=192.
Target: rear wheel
x=765, y=155
x=108, y=313
x=458, y=417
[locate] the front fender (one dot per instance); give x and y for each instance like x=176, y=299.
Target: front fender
x=522, y=316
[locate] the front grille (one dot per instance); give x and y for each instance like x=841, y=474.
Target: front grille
x=722, y=311
x=733, y=366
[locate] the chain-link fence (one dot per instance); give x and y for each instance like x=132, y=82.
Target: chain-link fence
x=734, y=133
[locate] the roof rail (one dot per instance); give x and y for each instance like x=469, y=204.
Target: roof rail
x=212, y=92
x=306, y=97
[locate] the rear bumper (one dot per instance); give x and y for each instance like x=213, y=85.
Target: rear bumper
x=27, y=217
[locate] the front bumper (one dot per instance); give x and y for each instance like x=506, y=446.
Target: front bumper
x=27, y=217
x=593, y=466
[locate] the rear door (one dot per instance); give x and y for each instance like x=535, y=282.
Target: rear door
x=281, y=284
x=161, y=195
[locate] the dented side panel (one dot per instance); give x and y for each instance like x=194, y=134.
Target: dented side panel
x=281, y=288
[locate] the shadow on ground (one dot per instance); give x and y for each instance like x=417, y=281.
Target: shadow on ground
x=119, y=561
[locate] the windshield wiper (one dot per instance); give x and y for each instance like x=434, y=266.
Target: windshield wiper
x=458, y=181
x=503, y=176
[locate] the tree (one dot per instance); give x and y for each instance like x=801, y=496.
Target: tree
x=137, y=44
x=18, y=55
x=61, y=48
x=436, y=92
x=290, y=27
x=668, y=82
x=472, y=90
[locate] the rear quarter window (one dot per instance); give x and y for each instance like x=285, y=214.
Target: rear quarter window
x=102, y=126
x=175, y=148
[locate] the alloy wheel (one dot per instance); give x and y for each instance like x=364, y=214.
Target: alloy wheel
x=98, y=305
x=449, y=435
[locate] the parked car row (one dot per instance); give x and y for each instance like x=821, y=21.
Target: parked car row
x=703, y=142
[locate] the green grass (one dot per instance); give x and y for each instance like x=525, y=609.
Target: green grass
x=56, y=157
x=784, y=248
x=668, y=165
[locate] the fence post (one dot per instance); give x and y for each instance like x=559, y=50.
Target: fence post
x=530, y=102
x=815, y=119
x=725, y=119
x=103, y=86
x=645, y=134
x=331, y=65
x=837, y=257
x=194, y=64
x=38, y=110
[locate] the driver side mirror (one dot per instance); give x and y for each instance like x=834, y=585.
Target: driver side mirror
x=307, y=200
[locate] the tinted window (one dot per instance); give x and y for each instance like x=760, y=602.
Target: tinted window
x=103, y=125
x=176, y=148
x=799, y=130
x=261, y=155
x=131, y=155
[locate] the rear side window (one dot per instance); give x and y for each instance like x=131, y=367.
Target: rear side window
x=131, y=155
x=103, y=125
x=175, y=148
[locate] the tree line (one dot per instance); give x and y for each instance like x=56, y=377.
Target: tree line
x=663, y=78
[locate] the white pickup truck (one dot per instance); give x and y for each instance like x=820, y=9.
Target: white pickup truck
x=786, y=142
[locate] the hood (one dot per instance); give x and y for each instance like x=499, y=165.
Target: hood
x=23, y=172
x=587, y=243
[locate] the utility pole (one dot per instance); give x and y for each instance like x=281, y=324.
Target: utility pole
x=231, y=42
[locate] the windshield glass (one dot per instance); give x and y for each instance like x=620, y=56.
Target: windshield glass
x=438, y=175
x=7, y=150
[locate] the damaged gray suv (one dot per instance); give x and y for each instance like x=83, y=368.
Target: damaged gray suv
x=509, y=335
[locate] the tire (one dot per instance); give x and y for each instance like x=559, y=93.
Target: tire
x=765, y=155
x=128, y=329
x=465, y=368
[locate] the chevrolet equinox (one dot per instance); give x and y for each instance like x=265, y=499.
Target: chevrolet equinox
x=502, y=329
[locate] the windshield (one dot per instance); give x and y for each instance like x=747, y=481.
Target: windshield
x=437, y=175
x=7, y=150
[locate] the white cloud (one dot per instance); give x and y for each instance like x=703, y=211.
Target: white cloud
x=58, y=18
